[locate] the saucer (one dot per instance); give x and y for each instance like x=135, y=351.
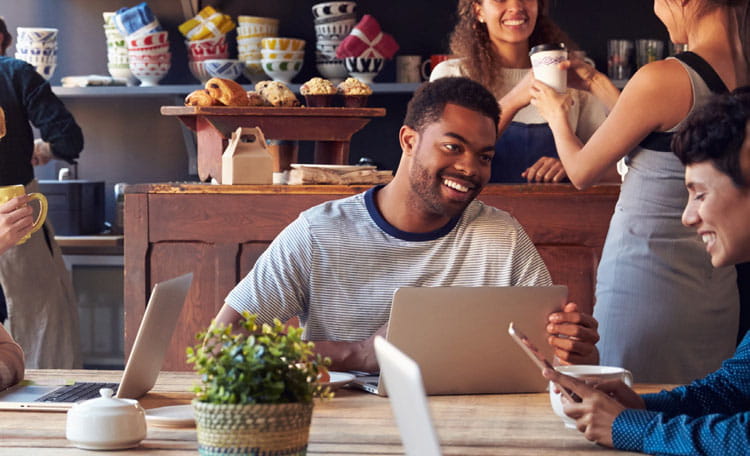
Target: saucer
x=172, y=416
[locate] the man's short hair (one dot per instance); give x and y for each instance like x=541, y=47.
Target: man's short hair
x=715, y=132
x=429, y=100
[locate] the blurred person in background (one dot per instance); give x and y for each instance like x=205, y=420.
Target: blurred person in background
x=36, y=288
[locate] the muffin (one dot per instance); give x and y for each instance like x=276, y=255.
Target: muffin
x=276, y=94
x=355, y=92
x=318, y=92
x=255, y=99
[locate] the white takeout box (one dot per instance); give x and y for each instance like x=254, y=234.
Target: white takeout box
x=246, y=159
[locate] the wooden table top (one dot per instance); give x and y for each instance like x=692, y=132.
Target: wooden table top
x=353, y=422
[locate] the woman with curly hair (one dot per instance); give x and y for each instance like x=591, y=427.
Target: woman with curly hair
x=664, y=311
x=491, y=41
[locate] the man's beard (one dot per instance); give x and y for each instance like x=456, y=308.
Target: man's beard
x=427, y=190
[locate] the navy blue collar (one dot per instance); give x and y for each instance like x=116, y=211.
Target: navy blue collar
x=404, y=235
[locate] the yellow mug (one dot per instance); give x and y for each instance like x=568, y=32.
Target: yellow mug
x=11, y=191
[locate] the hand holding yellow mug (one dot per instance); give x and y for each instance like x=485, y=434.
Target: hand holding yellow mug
x=11, y=191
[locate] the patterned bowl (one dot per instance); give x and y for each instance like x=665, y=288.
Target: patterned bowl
x=150, y=69
x=362, y=68
x=282, y=44
x=224, y=68
x=282, y=70
x=210, y=48
x=198, y=70
x=332, y=9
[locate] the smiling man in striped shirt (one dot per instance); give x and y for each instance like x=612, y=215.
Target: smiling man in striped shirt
x=337, y=266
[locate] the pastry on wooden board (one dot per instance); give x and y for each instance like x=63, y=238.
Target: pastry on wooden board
x=227, y=92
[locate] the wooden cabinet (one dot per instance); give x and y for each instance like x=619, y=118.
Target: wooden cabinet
x=219, y=231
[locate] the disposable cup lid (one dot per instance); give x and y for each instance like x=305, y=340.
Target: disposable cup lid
x=547, y=47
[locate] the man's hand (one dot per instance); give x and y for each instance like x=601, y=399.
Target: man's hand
x=573, y=335
x=598, y=409
x=16, y=220
x=348, y=356
x=42, y=153
x=546, y=169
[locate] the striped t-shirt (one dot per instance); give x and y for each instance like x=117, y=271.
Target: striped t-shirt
x=338, y=264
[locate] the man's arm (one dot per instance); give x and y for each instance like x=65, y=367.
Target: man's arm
x=351, y=356
x=345, y=356
x=47, y=112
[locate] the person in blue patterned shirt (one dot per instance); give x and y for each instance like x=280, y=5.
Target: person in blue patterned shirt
x=710, y=416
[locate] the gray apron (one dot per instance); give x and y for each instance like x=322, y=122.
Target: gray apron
x=42, y=306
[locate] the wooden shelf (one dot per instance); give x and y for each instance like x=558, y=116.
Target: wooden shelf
x=330, y=128
x=100, y=244
x=181, y=90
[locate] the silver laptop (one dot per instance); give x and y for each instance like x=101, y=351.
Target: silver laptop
x=458, y=336
x=142, y=368
x=408, y=400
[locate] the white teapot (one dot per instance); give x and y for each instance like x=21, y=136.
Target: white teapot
x=106, y=423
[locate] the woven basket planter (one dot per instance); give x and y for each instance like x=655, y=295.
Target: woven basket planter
x=253, y=429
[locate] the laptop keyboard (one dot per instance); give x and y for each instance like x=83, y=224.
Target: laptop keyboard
x=76, y=392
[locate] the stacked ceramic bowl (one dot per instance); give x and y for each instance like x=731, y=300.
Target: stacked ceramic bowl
x=38, y=47
x=282, y=58
x=224, y=68
x=250, y=31
x=117, y=51
x=364, y=68
x=149, y=57
x=333, y=22
x=199, y=51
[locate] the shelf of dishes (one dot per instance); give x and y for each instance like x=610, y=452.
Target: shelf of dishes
x=183, y=89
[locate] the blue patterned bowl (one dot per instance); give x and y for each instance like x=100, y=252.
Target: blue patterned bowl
x=224, y=68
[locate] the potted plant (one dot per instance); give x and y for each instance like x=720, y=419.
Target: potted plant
x=257, y=389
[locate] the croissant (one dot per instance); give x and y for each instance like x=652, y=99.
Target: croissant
x=200, y=97
x=227, y=92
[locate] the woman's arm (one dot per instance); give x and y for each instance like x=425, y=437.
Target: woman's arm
x=658, y=96
x=516, y=99
x=655, y=433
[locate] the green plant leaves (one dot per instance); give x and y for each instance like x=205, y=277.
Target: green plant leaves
x=267, y=364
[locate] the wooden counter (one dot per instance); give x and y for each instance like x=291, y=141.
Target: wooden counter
x=218, y=232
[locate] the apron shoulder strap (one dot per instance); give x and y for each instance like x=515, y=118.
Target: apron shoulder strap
x=704, y=70
x=662, y=141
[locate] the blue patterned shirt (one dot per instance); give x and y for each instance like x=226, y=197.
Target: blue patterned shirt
x=707, y=417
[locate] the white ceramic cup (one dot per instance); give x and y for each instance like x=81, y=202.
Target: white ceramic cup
x=408, y=68
x=591, y=374
x=545, y=62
